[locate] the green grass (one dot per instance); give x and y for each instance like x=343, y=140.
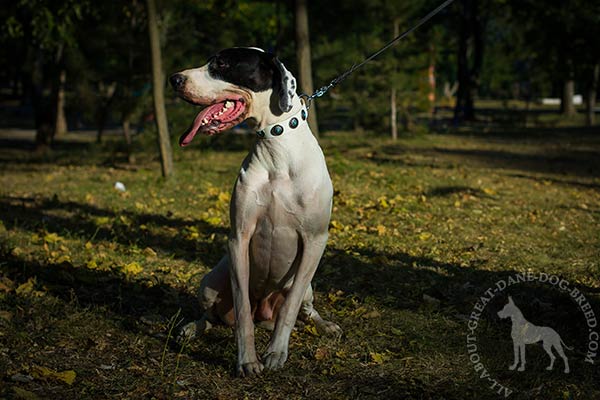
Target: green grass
x=92, y=279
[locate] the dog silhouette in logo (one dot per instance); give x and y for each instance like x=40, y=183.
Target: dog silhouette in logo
x=524, y=332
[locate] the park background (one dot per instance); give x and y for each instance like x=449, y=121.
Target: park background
x=465, y=154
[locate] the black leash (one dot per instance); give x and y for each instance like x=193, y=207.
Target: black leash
x=324, y=89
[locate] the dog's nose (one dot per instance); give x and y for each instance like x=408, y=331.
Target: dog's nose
x=177, y=80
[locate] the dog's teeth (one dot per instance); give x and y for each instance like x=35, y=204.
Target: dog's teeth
x=204, y=121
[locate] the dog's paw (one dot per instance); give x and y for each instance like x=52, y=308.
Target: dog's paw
x=328, y=328
x=275, y=360
x=249, y=369
x=192, y=329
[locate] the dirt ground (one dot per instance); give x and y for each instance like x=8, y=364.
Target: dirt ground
x=94, y=281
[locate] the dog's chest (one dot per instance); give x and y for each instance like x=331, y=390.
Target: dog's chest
x=287, y=200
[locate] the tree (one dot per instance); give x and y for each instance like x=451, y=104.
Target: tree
x=166, y=153
x=560, y=37
x=393, y=106
x=48, y=30
x=592, y=90
x=469, y=68
x=304, y=60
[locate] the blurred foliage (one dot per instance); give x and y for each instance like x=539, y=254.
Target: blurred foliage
x=527, y=45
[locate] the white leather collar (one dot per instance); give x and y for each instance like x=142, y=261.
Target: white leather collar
x=284, y=126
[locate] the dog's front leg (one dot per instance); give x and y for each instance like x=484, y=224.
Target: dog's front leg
x=247, y=362
x=522, y=351
x=277, y=351
x=516, y=355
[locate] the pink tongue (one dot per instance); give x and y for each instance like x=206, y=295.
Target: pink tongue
x=187, y=137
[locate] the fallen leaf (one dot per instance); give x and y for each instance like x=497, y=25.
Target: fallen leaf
x=224, y=198
x=213, y=220
x=341, y=354
x=371, y=314
x=66, y=376
x=6, y=284
x=6, y=315
x=24, y=394
x=397, y=332
x=149, y=252
x=101, y=220
x=336, y=225
x=379, y=358
x=52, y=238
x=321, y=353
x=26, y=287
x=132, y=268
x=43, y=372
x=424, y=236
x=383, y=203
x=311, y=329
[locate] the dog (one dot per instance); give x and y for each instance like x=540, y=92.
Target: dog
x=523, y=332
x=280, y=206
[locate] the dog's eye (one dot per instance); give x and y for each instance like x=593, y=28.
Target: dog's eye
x=220, y=63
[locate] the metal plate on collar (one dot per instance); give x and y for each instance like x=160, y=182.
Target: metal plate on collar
x=277, y=130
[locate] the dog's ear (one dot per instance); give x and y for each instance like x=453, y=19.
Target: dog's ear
x=286, y=85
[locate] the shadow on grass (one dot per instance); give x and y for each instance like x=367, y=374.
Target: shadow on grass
x=442, y=191
x=583, y=163
x=111, y=152
x=398, y=280
x=34, y=214
x=388, y=281
x=131, y=301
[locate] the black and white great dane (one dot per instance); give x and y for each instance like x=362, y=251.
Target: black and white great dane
x=280, y=206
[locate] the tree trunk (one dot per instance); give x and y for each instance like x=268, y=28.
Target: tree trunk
x=126, y=124
x=41, y=108
x=567, y=106
x=592, y=91
x=60, y=125
x=393, y=106
x=166, y=153
x=107, y=93
x=304, y=61
x=431, y=81
x=470, y=41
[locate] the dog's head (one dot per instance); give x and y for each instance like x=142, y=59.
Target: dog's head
x=235, y=85
x=508, y=310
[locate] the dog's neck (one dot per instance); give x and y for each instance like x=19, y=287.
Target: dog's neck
x=294, y=153
x=265, y=111
x=517, y=317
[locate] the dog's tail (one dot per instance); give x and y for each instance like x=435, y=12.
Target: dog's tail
x=565, y=346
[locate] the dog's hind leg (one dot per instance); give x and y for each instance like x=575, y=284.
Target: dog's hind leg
x=516, y=356
x=308, y=312
x=548, y=349
x=214, y=296
x=561, y=353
